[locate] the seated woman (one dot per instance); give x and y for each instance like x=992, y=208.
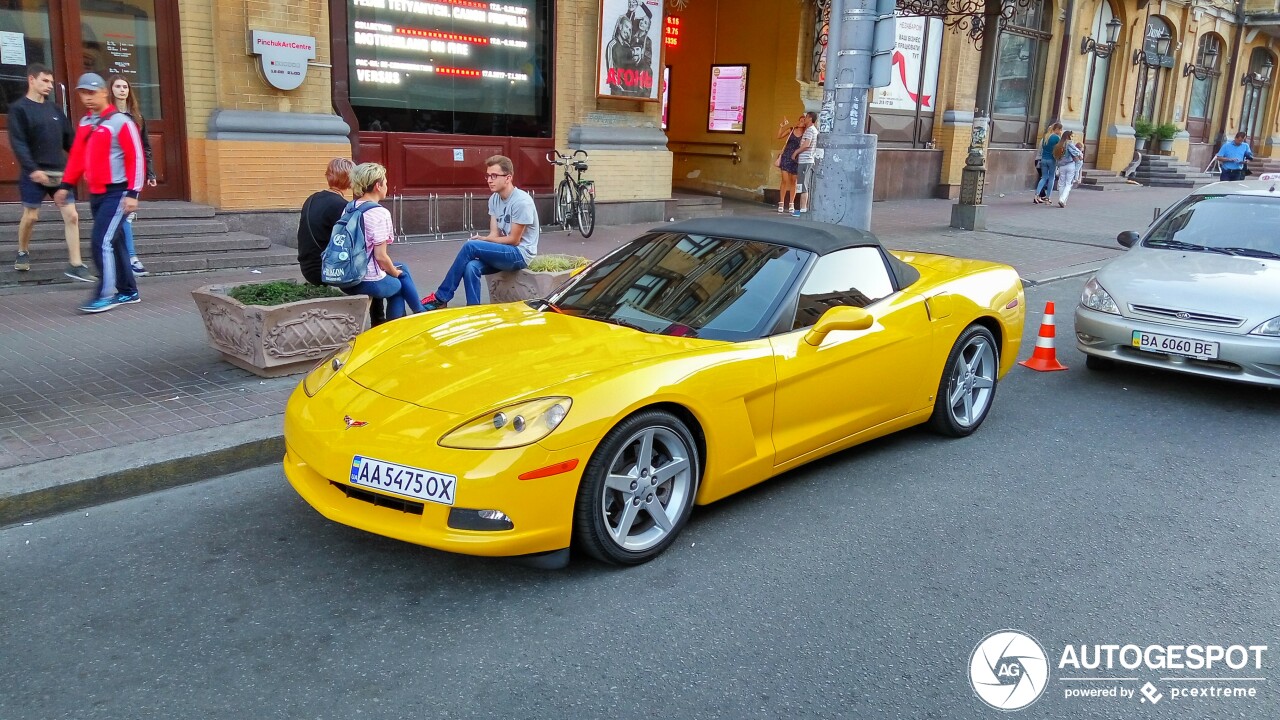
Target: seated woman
x=320, y=213
x=384, y=278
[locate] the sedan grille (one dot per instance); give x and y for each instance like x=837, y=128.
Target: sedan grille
x=1187, y=315
x=373, y=498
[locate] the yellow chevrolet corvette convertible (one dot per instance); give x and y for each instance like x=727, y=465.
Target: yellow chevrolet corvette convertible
x=700, y=359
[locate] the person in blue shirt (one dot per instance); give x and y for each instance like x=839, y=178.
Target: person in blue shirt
x=1048, y=167
x=1233, y=156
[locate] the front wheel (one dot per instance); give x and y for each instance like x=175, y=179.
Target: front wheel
x=564, y=203
x=637, y=491
x=586, y=212
x=968, y=385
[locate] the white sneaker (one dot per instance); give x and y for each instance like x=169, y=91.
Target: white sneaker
x=138, y=268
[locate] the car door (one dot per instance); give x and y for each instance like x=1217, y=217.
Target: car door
x=854, y=379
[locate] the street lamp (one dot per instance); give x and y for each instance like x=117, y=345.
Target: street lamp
x=1208, y=64
x=1161, y=40
x=1102, y=50
x=1259, y=77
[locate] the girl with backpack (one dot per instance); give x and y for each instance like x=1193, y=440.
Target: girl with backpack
x=383, y=278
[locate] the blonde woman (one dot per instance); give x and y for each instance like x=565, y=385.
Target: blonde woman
x=1048, y=168
x=1067, y=158
x=384, y=278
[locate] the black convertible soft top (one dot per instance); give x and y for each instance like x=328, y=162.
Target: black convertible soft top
x=815, y=237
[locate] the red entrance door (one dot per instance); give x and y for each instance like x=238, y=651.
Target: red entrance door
x=134, y=38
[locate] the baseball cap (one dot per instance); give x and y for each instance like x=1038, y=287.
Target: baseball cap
x=91, y=81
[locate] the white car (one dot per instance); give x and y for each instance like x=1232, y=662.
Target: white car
x=1199, y=293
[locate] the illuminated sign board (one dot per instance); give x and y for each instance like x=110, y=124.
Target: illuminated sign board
x=445, y=55
x=728, y=111
x=671, y=33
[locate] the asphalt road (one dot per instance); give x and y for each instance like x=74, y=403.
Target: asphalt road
x=1092, y=508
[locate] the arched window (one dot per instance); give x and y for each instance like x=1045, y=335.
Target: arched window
x=1022, y=50
x=1097, y=74
x=1154, y=61
x=1257, y=87
x=1204, y=87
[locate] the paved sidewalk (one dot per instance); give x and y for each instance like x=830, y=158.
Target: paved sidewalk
x=135, y=398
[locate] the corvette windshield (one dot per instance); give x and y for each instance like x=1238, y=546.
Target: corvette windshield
x=687, y=286
x=1242, y=225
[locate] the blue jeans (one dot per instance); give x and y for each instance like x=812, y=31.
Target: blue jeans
x=1236, y=174
x=1048, y=171
x=400, y=293
x=476, y=258
x=129, y=251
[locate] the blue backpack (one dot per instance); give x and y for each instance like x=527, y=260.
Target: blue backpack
x=346, y=258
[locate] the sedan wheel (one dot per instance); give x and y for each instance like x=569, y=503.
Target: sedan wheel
x=968, y=384
x=637, y=492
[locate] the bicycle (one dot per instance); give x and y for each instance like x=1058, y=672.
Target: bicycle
x=575, y=197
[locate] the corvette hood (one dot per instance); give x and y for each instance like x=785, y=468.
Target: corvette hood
x=1197, y=282
x=477, y=358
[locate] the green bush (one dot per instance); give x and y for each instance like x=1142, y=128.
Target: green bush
x=556, y=263
x=279, y=292
x=1143, y=128
x=1165, y=131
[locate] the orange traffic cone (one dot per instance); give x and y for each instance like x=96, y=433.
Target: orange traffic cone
x=1045, y=359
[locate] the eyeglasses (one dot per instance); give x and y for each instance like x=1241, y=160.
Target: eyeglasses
x=495, y=176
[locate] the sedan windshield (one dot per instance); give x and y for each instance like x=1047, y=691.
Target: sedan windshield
x=1242, y=225
x=687, y=286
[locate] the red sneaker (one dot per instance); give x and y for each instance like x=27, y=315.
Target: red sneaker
x=431, y=303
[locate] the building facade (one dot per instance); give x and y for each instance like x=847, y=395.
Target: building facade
x=247, y=100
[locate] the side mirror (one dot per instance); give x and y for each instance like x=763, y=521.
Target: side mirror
x=838, y=318
x=1127, y=238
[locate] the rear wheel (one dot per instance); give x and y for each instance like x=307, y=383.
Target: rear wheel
x=564, y=204
x=968, y=384
x=586, y=212
x=637, y=491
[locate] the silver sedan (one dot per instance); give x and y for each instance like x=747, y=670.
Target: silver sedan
x=1199, y=293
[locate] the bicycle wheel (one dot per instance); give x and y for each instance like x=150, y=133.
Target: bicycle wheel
x=564, y=204
x=586, y=212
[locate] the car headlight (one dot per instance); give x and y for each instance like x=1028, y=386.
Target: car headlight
x=325, y=371
x=1096, y=297
x=1270, y=328
x=511, y=426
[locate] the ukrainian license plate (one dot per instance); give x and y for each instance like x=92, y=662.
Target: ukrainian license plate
x=403, y=480
x=1200, y=349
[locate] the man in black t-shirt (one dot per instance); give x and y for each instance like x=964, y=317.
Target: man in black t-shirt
x=40, y=135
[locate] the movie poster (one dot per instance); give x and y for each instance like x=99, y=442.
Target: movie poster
x=630, y=49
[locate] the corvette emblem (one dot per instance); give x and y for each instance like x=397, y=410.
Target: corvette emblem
x=353, y=423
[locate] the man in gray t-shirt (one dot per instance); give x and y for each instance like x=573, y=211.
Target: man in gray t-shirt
x=511, y=243
x=805, y=156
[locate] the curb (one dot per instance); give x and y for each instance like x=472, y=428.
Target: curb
x=37, y=490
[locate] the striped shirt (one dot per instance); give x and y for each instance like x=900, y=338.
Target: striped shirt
x=378, y=230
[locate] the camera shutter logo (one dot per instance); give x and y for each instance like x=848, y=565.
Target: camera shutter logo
x=1008, y=670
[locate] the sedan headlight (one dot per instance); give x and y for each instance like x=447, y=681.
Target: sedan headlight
x=511, y=426
x=325, y=371
x=1096, y=297
x=1270, y=328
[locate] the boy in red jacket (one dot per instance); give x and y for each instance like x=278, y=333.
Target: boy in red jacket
x=107, y=154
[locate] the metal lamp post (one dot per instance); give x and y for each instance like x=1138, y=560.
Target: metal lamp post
x=1102, y=50
x=1206, y=68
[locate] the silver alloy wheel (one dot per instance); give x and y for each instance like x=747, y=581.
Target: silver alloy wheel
x=972, y=383
x=647, y=488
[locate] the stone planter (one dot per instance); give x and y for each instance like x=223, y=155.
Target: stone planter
x=517, y=285
x=276, y=340
x=1140, y=144
x=1166, y=146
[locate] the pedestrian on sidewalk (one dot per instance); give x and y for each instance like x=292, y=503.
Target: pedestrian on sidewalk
x=1233, y=156
x=1069, y=158
x=40, y=136
x=804, y=159
x=383, y=278
x=107, y=154
x=788, y=164
x=123, y=99
x=511, y=243
x=1048, y=166
x=320, y=212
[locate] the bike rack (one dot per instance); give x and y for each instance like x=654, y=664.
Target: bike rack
x=433, y=216
x=397, y=209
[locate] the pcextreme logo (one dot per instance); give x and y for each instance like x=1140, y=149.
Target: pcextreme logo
x=1009, y=670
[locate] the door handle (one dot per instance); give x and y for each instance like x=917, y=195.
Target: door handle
x=65, y=109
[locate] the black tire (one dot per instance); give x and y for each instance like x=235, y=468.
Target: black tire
x=1093, y=362
x=586, y=212
x=564, y=204
x=602, y=508
x=968, y=386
